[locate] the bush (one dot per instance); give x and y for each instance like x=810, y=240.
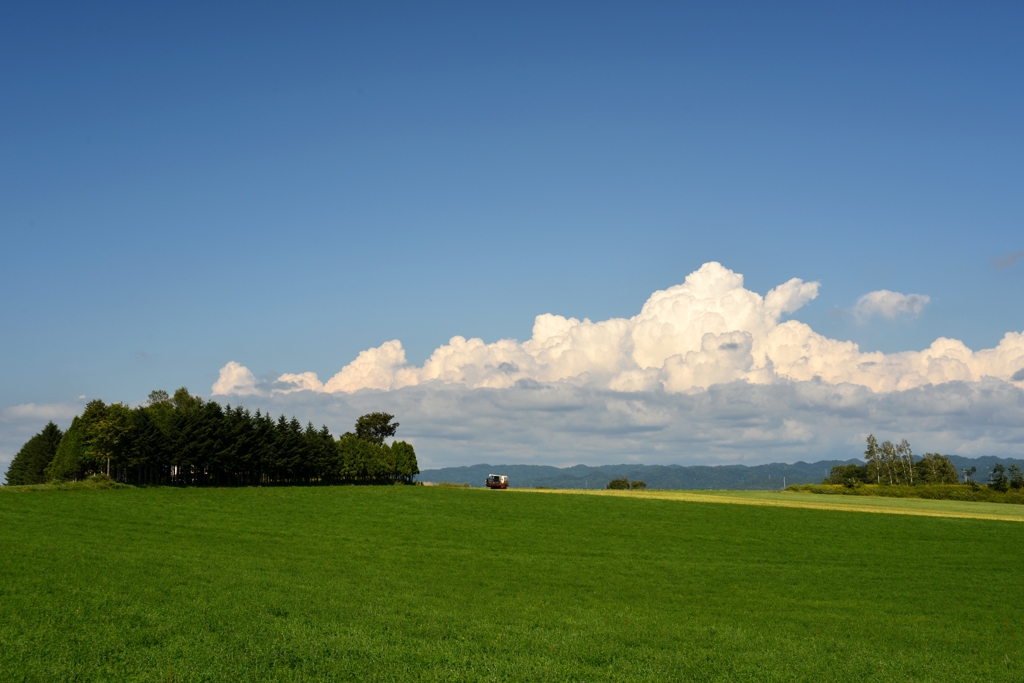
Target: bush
x=93, y=483
x=624, y=484
x=841, y=474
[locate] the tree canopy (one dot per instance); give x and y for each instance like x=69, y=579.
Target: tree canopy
x=185, y=440
x=894, y=464
x=375, y=427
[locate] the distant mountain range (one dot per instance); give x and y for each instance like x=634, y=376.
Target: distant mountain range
x=772, y=476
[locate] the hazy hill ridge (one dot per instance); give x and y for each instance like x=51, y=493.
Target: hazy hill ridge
x=676, y=476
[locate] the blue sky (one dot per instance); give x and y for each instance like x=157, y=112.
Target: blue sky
x=285, y=187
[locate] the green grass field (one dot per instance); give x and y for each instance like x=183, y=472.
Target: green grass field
x=415, y=583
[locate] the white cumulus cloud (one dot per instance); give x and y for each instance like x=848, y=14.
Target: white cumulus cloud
x=708, y=330
x=236, y=379
x=889, y=304
x=558, y=423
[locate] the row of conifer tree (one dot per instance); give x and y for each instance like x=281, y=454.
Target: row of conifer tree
x=185, y=440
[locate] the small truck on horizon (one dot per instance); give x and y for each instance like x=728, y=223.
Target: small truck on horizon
x=497, y=481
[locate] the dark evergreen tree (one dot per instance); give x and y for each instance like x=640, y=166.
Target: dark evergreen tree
x=149, y=452
x=290, y=450
x=29, y=465
x=238, y=458
x=17, y=471
x=265, y=447
x=321, y=454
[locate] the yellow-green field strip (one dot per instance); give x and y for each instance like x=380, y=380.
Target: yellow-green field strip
x=814, y=501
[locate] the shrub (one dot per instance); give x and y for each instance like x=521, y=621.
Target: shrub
x=619, y=484
x=840, y=474
x=637, y=485
x=95, y=482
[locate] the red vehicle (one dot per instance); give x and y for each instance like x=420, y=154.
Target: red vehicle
x=497, y=481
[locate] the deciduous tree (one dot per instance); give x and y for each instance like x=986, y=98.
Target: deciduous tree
x=887, y=457
x=1016, y=477
x=997, y=480
x=375, y=427
x=936, y=469
x=848, y=475
x=406, y=466
x=74, y=458
x=872, y=455
x=110, y=436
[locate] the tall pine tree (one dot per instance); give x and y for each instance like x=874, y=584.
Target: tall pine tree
x=29, y=465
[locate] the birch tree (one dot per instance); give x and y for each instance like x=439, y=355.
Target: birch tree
x=906, y=456
x=871, y=455
x=888, y=458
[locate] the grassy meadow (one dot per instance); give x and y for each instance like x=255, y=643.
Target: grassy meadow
x=436, y=584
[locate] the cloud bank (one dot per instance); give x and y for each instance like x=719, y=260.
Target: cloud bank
x=559, y=423
x=709, y=330
x=707, y=372
x=562, y=424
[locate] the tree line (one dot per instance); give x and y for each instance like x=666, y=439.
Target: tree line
x=187, y=441
x=892, y=464
x=624, y=484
